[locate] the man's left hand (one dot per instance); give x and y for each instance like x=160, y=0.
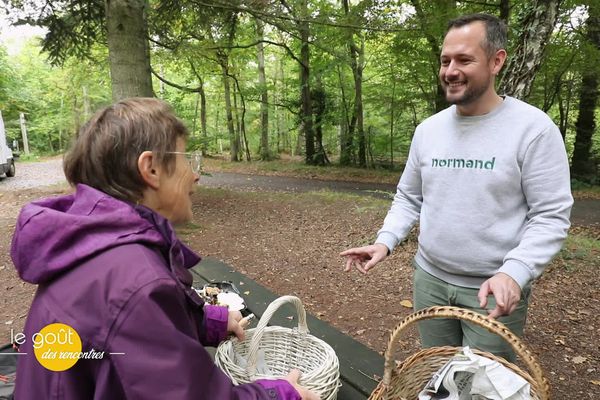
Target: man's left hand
x=506, y=291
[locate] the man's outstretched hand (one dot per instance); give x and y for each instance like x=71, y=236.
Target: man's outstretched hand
x=364, y=258
x=506, y=291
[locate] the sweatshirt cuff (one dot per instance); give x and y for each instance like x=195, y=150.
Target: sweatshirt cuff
x=518, y=271
x=388, y=239
x=215, y=324
x=279, y=389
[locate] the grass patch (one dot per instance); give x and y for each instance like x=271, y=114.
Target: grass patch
x=579, y=249
x=296, y=167
x=325, y=196
x=590, y=192
x=31, y=157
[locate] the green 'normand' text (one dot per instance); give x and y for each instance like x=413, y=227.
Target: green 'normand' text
x=462, y=163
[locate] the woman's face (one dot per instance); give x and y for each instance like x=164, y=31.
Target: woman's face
x=176, y=189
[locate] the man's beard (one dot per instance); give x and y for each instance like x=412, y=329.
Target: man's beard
x=470, y=95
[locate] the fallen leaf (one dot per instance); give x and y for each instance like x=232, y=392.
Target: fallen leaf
x=247, y=292
x=597, y=383
x=579, y=359
x=406, y=303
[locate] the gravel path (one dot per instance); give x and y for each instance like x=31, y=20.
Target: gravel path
x=34, y=174
x=49, y=172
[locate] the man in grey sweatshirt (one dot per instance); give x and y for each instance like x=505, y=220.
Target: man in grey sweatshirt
x=488, y=180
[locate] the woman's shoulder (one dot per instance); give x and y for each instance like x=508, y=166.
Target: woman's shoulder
x=92, y=295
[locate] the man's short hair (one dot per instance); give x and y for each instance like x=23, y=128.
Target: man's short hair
x=105, y=152
x=496, y=31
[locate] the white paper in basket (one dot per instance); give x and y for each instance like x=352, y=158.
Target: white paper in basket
x=490, y=380
x=261, y=365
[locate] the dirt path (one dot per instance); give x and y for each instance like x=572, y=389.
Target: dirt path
x=585, y=212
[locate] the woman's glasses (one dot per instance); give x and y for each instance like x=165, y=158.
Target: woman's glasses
x=194, y=159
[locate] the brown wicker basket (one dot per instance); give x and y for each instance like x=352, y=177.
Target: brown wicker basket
x=405, y=380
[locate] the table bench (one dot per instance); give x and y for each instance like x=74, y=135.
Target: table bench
x=360, y=367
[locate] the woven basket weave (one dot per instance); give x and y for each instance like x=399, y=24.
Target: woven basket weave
x=405, y=380
x=283, y=349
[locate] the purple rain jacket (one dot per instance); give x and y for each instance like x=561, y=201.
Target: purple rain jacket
x=119, y=276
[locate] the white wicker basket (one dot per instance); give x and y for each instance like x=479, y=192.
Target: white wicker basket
x=281, y=349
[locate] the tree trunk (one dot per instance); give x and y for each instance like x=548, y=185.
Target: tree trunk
x=203, y=117
x=306, y=103
x=392, y=118
x=201, y=106
x=357, y=65
x=564, y=107
x=238, y=127
x=128, y=50
x=319, y=107
x=536, y=27
x=346, y=136
x=265, y=154
x=233, y=148
x=242, y=120
x=583, y=165
x=358, y=104
x=504, y=10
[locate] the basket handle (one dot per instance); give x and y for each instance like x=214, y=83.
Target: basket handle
x=490, y=324
x=262, y=324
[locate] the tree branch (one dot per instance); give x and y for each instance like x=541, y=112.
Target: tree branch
x=175, y=85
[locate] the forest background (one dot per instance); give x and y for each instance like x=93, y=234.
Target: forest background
x=334, y=83
x=338, y=82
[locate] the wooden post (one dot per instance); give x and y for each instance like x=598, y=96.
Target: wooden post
x=24, y=133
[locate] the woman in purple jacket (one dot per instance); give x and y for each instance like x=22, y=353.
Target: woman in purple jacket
x=108, y=264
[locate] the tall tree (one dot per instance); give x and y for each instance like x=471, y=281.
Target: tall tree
x=583, y=165
x=357, y=61
x=128, y=50
x=535, y=25
x=265, y=153
x=305, y=98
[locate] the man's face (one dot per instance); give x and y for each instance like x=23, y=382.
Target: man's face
x=466, y=71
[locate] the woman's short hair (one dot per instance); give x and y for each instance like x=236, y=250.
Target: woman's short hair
x=106, y=149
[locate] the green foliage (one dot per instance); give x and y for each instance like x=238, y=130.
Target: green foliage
x=191, y=41
x=583, y=188
x=55, y=100
x=31, y=157
x=74, y=26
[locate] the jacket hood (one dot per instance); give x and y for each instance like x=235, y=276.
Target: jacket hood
x=55, y=235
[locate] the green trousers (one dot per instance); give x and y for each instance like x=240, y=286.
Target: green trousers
x=430, y=291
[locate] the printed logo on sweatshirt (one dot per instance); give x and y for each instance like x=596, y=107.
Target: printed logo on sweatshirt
x=461, y=163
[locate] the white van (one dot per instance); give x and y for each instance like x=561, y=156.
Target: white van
x=7, y=162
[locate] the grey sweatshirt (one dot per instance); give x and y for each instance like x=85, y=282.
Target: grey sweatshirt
x=492, y=194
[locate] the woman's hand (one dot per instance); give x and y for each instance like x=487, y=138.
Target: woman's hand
x=234, y=326
x=304, y=393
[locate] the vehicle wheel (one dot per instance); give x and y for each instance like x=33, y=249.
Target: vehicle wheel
x=11, y=170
